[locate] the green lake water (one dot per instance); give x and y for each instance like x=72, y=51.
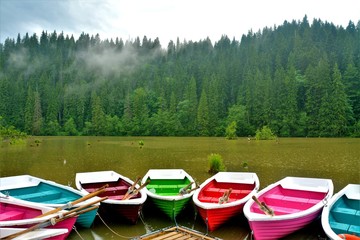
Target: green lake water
x=60, y=158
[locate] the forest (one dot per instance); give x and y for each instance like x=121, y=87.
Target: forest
x=300, y=79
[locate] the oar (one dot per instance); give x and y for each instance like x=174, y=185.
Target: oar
x=269, y=210
x=84, y=198
x=263, y=207
x=184, y=189
x=136, y=191
x=225, y=197
x=52, y=221
x=132, y=187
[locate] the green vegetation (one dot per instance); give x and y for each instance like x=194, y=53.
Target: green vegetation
x=230, y=132
x=299, y=79
x=265, y=134
x=216, y=163
x=10, y=134
x=141, y=143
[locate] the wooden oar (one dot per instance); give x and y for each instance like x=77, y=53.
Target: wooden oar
x=264, y=207
x=132, y=187
x=75, y=212
x=136, y=191
x=184, y=190
x=225, y=197
x=69, y=205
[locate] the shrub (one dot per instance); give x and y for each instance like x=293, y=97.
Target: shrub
x=216, y=163
x=231, y=131
x=265, y=134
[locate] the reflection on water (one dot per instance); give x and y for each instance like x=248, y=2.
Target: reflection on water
x=60, y=158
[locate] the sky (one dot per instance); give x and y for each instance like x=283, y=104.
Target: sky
x=190, y=20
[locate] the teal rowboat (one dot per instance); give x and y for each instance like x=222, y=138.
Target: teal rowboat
x=47, y=193
x=169, y=189
x=341, y=215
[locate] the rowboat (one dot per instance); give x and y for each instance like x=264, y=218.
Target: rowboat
x=286, y=206
x=341, y=215
x=33, y=235
x=169, y=189
x=118, y=187
x=210, y=199
x=48, y=193
x=15, y=214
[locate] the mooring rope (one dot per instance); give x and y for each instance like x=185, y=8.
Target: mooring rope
x=74, y=228
x=117, y=234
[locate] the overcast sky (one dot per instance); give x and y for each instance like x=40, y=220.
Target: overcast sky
x=166, y=19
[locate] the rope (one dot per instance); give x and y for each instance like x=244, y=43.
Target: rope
x=117, y=234
x=74, y=228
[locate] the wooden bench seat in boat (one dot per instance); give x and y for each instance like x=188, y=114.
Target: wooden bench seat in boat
x=37, y=195
x=354, y=229
x=339, y=227
x=345, y=215
x=294, y=202
x=11, y=215
x=62, y=200
x=109, y=189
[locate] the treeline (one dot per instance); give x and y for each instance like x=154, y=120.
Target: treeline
x=298, y=79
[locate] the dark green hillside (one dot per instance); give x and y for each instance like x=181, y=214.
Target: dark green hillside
x=299, y=79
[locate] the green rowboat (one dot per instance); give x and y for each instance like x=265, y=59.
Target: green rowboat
x=169, y=189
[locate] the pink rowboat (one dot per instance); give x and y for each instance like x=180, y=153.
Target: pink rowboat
x=44, y=233
x=295, y=203
x=15, y=213
x=209, y=197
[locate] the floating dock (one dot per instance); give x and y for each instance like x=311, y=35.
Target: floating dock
x=177, y=232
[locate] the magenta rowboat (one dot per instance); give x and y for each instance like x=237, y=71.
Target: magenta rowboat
x=208, y=198
x=15, y=213
x=115, y=205
x=33, y=235
x=295, y=203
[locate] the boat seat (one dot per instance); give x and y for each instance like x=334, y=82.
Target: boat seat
x=42, y=195
x=339, y=228
x=11, y=215
x=117, y=188
x=293, y=202
x=62, y=200
x=208, y=199
x=284, y=210
x=118, y=197
x=345, y=215
x=354, y=229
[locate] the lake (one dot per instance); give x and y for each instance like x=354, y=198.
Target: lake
x=60, y=158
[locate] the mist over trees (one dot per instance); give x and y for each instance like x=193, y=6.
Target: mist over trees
x=299, y=79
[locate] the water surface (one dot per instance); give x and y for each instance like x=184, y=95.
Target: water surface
x=60, y=158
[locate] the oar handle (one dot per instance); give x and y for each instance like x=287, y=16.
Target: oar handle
x=263, y=207
x=84, y=198
x=136, y=190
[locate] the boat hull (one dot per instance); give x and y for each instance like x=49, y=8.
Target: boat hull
x=206, y=198
x=49, y=234
x=47, y=193
x=271, y=230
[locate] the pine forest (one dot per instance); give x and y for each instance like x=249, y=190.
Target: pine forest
x=300, y=79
